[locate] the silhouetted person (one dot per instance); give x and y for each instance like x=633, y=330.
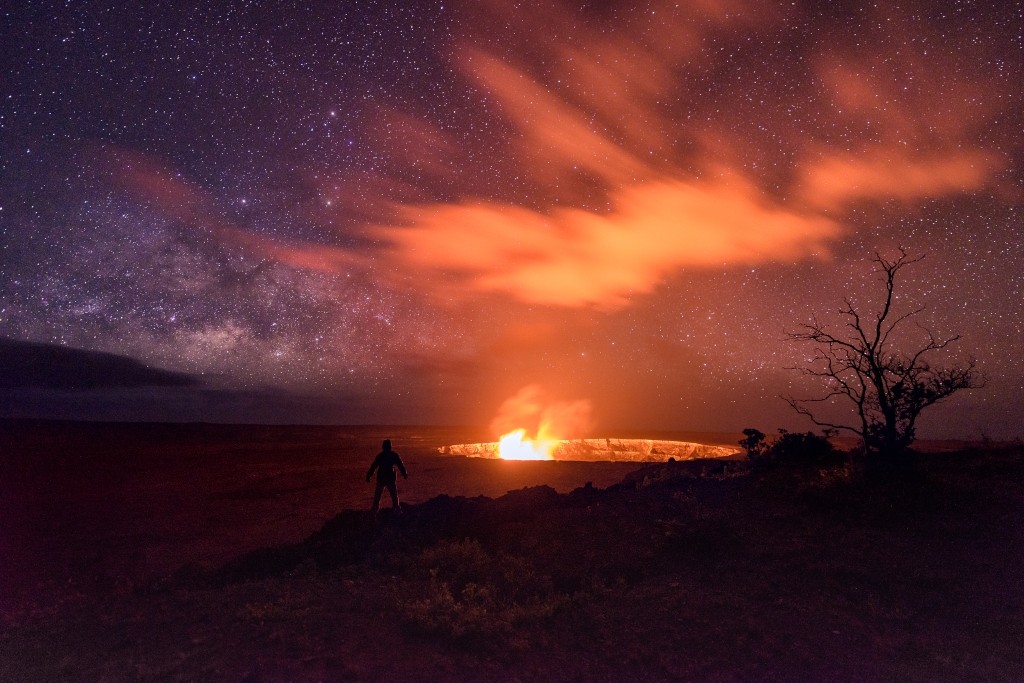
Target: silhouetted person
x=385, y=463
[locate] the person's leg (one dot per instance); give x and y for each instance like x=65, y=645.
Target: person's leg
x=376, y=496
x=393, y=490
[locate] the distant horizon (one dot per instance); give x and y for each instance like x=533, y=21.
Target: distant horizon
x=614, y=432
x=54, y=382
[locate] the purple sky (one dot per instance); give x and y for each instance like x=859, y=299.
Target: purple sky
x=410, y=212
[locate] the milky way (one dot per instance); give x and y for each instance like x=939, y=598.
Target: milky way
x=407, y=212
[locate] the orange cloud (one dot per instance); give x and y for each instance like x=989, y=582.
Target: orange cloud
x=593, y=109
x=909, y=98
x=572, y=257
x=597, y=116
x=893, y=173
x=922, y=115
x=607, y=186
x=556, y=133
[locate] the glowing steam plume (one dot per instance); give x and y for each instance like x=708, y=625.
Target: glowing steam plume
x=550, y=421
x=606, y=180
x=572, y=257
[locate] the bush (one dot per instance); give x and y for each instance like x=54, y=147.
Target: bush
x=799, y=449
x=804, y=448
x=754, y=444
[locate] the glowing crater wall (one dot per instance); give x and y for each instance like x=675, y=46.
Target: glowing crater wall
x=614, y=450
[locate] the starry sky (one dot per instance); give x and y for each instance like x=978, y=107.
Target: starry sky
x=443, y=211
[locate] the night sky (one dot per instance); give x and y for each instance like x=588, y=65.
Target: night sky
x=412, y=212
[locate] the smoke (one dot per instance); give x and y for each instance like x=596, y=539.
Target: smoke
x=573, y=257
x=627, y=191
x=592, y=128
x=532, y=410
x=624, y=155
x=840, y=180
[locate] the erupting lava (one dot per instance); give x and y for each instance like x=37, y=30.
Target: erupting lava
x=531, y=409
x=515, y=446
x=560, y=428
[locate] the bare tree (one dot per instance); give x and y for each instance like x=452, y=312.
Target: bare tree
x=887, y=387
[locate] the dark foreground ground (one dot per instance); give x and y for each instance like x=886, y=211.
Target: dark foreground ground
x=684, y=571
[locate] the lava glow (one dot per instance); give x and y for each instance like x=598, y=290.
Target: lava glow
x=515, y=446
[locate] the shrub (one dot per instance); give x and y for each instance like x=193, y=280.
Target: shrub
x=801, y=449
x=754, y=444
x=804, y=448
